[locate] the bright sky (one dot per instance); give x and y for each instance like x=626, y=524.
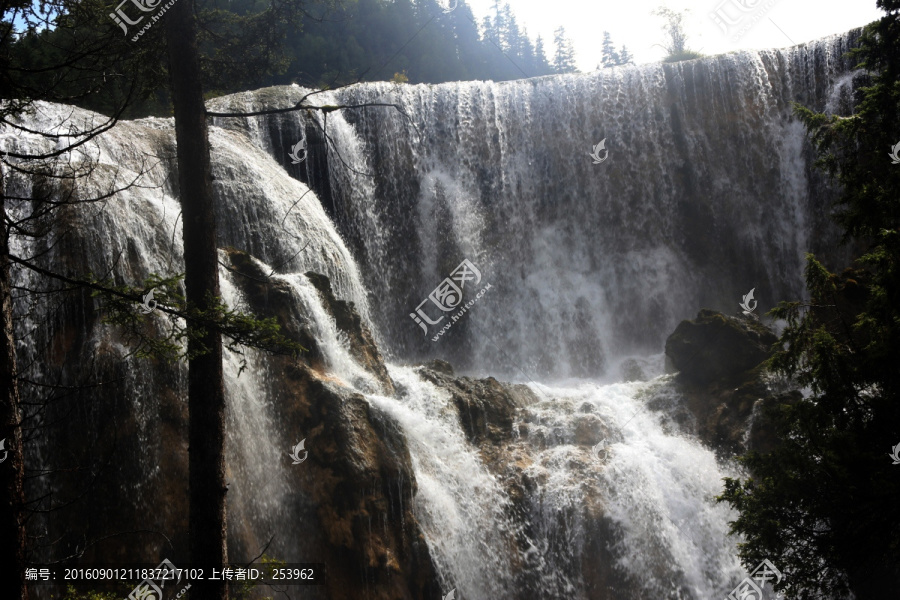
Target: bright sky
x=630, y=23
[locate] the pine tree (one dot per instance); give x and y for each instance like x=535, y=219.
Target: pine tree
x=625, y=57
x=610, y=57
x=542, y=64
x=511, y=33
x=500, y=25
x=490, y=31
x=564, y=58
x=823, y=505
x=527, y=54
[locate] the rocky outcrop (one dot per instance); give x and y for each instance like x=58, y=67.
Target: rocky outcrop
x=359, y=473
x=716, y=347
x=362, y=344
x=352, y=495
x=273, y=298
x=722, y=378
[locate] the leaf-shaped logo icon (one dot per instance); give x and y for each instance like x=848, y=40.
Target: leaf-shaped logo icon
x=745, y=303
x=3, y=447
x=596, y=152
x=451, y=595
x=896, y=454
x=297, y=148
x=601, y=446
x=295, y=452
x=149, y=302
x=895, y=154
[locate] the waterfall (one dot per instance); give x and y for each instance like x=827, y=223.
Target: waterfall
x=459, y=504
x=128, y=237
x=706, y=191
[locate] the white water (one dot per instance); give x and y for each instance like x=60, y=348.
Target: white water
x=708, y=192
x=591, y=263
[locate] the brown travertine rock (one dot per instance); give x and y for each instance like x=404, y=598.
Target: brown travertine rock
x=362, y=344
x=358, y=474
x=358, y=471
x=353, y=493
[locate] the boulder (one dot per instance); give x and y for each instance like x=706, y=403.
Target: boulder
x=716, y=347
x=724, y=383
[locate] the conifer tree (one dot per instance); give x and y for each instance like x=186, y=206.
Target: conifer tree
x=610, y=58
x=564, y=57
x=542, y=64
x=823, y=505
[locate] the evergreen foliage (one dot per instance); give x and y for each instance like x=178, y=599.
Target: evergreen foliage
x=340, y=43
x=122, y=308
x=611, y=57
x=564, y=58
x=823, y=506
x=608, y=50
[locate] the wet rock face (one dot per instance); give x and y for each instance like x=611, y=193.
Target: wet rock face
x=486, y=407
x=350, y=501
x=714, y=346
x=359, y=488
x=722, y=410
x=273, y=298
x=721, y=376
x=362, y=344
x=358, y=482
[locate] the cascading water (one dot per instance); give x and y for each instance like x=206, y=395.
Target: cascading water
x=707, y=191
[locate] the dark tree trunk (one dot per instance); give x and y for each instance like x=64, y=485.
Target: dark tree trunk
x=12, y=469
x=206, y=393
